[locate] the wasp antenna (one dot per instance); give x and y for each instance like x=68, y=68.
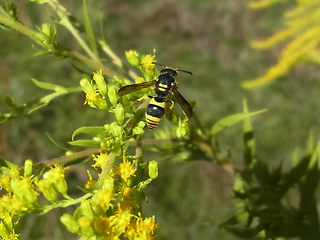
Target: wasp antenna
x=185, y=71
x=158, y=64
x=177, y=69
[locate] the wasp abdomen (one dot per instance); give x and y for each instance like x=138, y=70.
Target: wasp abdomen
x=155, y=112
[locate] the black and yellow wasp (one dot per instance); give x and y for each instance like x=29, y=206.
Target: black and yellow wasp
x=164, y=85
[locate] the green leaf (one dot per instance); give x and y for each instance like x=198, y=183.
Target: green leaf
x=232, y=120
x=85, y=143
x=56, y=143
x=91, y=130
x=36, y=104
x=308, y=204
x=89, y=31
x=58, y=91
x=250, y=158
x=5, y=166
x=294, y=175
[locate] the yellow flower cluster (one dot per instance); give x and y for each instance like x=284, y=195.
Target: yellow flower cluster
x=23, y=191
x=113, y=211
x=303, y=34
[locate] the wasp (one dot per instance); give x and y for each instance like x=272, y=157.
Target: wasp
x=165, y=84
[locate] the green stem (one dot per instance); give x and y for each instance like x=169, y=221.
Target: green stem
x=23, y=29
x=106, y=170
x=19, y=27
x=93, y=64
x=64, y=16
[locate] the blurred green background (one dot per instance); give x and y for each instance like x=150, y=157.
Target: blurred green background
x=210, y=39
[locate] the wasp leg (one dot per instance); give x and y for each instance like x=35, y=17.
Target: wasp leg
x=169, y=110
x=138, y=100
x=172, y=104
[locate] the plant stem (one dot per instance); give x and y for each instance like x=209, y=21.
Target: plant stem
x=67, y=159
x=19, y=27
x=107, y=167
x=64, y=16
x=23, y=29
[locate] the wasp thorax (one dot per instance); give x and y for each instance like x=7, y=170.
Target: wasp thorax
x=169, y=71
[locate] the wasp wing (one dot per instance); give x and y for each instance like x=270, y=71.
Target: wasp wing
x=183, y=103
x=135, y=87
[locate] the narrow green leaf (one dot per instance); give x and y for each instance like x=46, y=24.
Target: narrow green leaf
x=232, y=120
x=308, y=187
x=89, y=31
x=5, y=166
x=250, y=158
x=47, y=86
x=311, y=144
x=9, y=101
x=85, y=143
x=91, y=130
x=315, y=157
x=56, y=143
x=294, y=175
x=54, y=87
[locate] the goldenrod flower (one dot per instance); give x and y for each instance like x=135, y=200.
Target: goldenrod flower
x=102, y=198
x=13, y=205
x=263, y=3
x=303, y=34
x=100, y=159
x=5, y=182
x=147, y=61
x=142, y=229
x=23, y=188
x=46, y=187
x=57, y=177
x=147, y=64
x=126, y=170
x=85, y=226
x=102, y=225
x=133, y=58
x=122, y=218
x=90, y=183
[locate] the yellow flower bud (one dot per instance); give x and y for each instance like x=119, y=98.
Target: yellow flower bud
x=133, y=58
x=153, y=169
x=113, y=96
x=70, y=223
x=119, y=113
x=101, y=83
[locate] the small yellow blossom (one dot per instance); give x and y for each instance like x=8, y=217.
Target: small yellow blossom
x=147, y=61
x=100, y=159
x=102, y=198
x=23, y=187
x=122, y=218
x=101, y=83
x=142, y=229
x=14, y=205
x=5, y=182
x=263, y=3
x=46, y=187
x=126, y=170
x=14, y=172
x=102, y=225
x=302, y=33
x=57, y=177
x=90, y=183
x=126, y=192
x=85, y=225
x=95, y=100
x=133, y=58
